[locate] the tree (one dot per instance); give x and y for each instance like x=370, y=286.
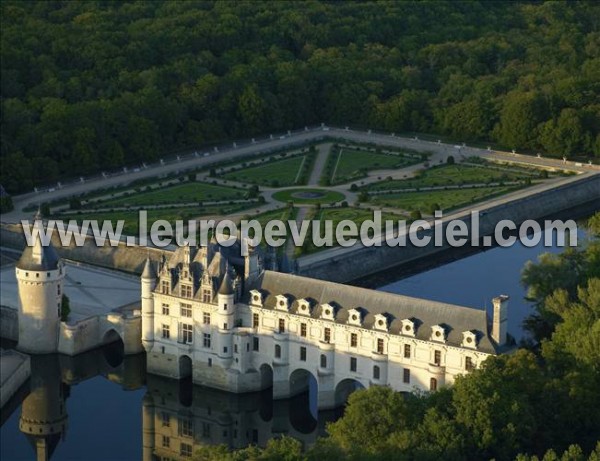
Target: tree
x=65, y=308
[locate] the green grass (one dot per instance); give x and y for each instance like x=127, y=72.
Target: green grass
x=444, y=199
x=170, y=214
x=181, y=193
x=327, y=197
x=450, y=175
x=280, y=173
x=336, y=215
x=354, y=164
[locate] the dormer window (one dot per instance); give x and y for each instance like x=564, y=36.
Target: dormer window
x=381, y=322
x=303, y=307
x=354, y=317
x=408, y=327
x=327, y=312
x=186, y=291
x=281, y=303
x=256, y=298
x=438, y=333
x=469, y=340
x=165, y=287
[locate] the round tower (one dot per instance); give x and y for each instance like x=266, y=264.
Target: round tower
x=40, y=274
x=226, y=315
x=148, y=285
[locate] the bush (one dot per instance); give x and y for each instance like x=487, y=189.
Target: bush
x=416, y=214
x=450, y=160
x=65, y=308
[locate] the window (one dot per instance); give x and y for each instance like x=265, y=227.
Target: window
x=303, y=330
x=255, y=344
x=185, y=450
x=433, y=384
x=380, y=346
x=186, y=427
x=469, y=364
x=210, y=362
x=235, y=348
x=277, y=351
x=225, y=306
x=58, y=290
x=255, y=320
x=166, y=331
x=186, y=310
x=205, y=430
x=352, y=363
x=186, y=291
x=225, y=350
x=206, y=318
x=187, y=333
x=166, y=441
x=437, y=357
x=206, y=296
x=165, y=309
x=281, y=325
x=406, y=376
x=166, y=420
x=303, y=354
x=353, y=340
x=225, y=325
x=206, y=340
x=165, y=287
x=323, y=361
x=327, y=335
x=407, y=351
x=376, y=372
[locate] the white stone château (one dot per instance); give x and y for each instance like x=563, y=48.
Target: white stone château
x=232, y=325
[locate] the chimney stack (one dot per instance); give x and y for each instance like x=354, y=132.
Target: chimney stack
x=500, y=319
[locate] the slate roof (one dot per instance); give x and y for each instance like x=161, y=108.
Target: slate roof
x=47, y=262
x=425, y=313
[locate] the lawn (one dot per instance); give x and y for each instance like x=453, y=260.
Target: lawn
x=444, y=199
x=170, y=214
x=450, y=175
x=280, y=173
x=351, y=164
x=308, y=196
x=180, y=193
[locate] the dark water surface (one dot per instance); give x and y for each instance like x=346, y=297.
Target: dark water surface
x=100, y=406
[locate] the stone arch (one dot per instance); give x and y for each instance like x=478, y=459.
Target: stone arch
x=304, y=388
x=185, y=367
x=266, y=376
x=344, y=388
x=113, y=347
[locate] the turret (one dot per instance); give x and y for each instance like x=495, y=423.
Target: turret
x=148, y=284
x=251, y=266
x=40, y=274
x=226, y=315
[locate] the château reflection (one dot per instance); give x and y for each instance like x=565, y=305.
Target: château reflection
x=44, y=419
x=179, y=417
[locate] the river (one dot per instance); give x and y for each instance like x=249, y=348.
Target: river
x=99, y=406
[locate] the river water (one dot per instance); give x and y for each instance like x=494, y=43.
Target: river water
x=99, y=406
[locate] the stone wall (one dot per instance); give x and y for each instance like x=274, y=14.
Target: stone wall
x=9, y=323
x=340, y=266
x=121, y=257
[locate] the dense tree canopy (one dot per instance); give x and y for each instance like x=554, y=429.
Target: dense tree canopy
x=98, y=85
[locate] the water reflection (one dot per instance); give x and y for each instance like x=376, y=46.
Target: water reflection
x=43, y=417
x=174, y=427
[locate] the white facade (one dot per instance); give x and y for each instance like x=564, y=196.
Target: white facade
x=244, y=334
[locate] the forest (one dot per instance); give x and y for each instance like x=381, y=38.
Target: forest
x=98, y=85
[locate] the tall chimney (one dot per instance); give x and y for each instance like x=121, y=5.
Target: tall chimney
x=500, y=319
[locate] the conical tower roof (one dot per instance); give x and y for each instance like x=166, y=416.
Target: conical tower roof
x=149, y=270
x=226, y=285
x=38, y=257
